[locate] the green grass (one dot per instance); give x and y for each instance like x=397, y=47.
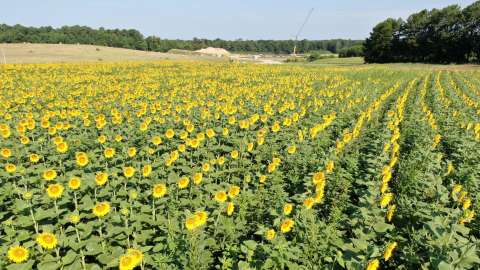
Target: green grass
x=352, y=61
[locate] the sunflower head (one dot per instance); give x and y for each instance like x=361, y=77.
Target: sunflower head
x=101, y=209
x=47, y=240
x=159, y=190
x=54, y=191
x=17, y=254
x=49, y=174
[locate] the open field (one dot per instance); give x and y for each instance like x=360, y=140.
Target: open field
x=217, y=165
x=53, y=53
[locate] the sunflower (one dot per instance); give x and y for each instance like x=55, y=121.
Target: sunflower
x=234, y=154
x=101, y=209
x=389, y=250
x=159, y=190
x=210, y=133
x=233, y=191
x=221, y=196
x=47, y=240
x=230, y=208
x=287, y=209
x=128, y=171
x=287, y=225
x=385, y=200
x=5, y=152
x=156, y=140
x=109, y=152
x=102, y=139
x=197, y=178
x=74, y=183
x=183, y=182
x=390, y=212
x=54, y=191
x=146, y=170
x=276, y=127
x=132, y=151
x=270, y=234
x=309, y=202
x=101, y=178
x=49, y=174
x=169, y=133
x=330, y=166
x=10, y=168
x=136, y=254
x=17, y=254
x=262, y=178
x=62, y=147
x=191, y=222
x=373, y=264
x=81, y=158
x=202, y=217
x=34, y=158
x=206, y=167
x=126, y=262
x=74, y=218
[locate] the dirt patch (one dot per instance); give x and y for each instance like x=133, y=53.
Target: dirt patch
x=218, y=52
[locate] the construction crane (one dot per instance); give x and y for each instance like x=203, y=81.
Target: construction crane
x=301, y=29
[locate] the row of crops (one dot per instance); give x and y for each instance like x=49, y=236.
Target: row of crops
x=230, y=166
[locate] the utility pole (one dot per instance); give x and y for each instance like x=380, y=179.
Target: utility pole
x=300, y=30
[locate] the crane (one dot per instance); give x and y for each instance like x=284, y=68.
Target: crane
x=300, y=30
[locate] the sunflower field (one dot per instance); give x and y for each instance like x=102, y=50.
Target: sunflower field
x=199, y=165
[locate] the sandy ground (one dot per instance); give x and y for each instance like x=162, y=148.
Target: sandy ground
x=50, y=53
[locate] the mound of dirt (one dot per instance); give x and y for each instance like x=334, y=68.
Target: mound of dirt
x=219, y=52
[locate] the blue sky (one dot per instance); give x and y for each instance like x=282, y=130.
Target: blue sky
x=227, y=19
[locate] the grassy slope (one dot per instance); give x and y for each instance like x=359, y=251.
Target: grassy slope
x=50, y=53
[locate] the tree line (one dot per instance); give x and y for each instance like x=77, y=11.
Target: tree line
x=133, y=39
x=447, y=35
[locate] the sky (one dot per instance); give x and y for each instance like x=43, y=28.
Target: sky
x=226, y=19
